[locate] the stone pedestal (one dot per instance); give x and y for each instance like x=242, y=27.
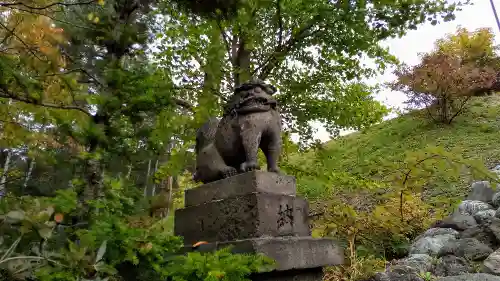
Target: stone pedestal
x=257, y=212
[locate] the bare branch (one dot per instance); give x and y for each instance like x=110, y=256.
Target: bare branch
x=46, y=6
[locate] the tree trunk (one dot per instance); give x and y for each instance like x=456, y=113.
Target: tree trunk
x=147, y=179
x=241, y=55
x=153, y=191
x=5, y=171
x=28, y=174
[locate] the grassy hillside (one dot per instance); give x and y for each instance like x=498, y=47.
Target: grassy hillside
x=475, y=134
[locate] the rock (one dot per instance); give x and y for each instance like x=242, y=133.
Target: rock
x=470, y=277
x=457, y=221
x=484, y=216
x=430, y=245
x=496, y=200
x=468, y=248
x=451, y=265
x=395, y=276
x=494, y=227
x=419, y=262
x=432, y=232
x=497, y=213
x=481, y=191
x=492, y=263
x=482, y=234
x=470, y=207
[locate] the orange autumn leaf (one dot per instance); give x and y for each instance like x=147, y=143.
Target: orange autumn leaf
x=58, y=217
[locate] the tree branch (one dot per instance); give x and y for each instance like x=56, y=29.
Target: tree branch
x=224, y=37
x=8, y=95
x=50, y=17
x=280, y=50
x=280, y=22
x=46, y=6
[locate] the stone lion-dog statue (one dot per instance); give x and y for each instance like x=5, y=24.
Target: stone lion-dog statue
x=251, y=120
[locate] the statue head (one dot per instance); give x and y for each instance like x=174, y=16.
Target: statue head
x=252, y=96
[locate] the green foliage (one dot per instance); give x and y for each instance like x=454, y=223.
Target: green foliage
x=376, y=190
x=311, y=50
x=221, y=266
x=39, y=241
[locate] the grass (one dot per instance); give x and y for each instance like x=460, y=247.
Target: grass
x=475, y=134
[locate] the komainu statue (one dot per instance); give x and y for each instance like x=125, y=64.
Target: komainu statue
x=250, y=121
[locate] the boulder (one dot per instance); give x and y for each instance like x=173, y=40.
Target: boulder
x=457, y=221
x=431, y=245
x=484, y=216
x=395, y=276
x=492, y=263
x=470, y=277
x=450, y=266
x=468, y=248
x=483, y=234
x=471, y=207
x=481, y=191
x=419, y=262
x=494, y=227
x=495, y=201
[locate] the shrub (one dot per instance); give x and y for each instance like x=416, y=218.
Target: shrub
x=40, y=241
x=460, y=66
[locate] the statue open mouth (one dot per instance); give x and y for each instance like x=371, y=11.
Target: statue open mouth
x=257, y=102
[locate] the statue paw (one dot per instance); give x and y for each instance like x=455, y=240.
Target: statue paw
x=229, y=172
x=249, y=166
x=274, y=170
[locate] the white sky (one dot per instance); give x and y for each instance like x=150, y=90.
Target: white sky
x=422, y=40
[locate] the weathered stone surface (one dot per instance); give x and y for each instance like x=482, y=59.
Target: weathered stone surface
x=468, y=248
x=496, y=200
x=492, y=263
x=432, y=232
x=481, y=191
x=430, y=245
x=243, y=217
x=419, y=262
x=470, y=207
x=482, y=234
x=457, y=221
x=471, y=277
x=397, y=276
x=288, y=252
x=451, y=265
x=497, y=213
x=484, y=216
x=242, y=184
x=495, y=227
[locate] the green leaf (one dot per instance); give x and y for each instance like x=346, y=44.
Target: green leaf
x=15, y=216
x=101, y=251
x=45, y=232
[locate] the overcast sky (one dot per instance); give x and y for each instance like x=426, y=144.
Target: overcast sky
x=422, y=40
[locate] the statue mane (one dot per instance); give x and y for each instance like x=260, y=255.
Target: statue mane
x=250, y=97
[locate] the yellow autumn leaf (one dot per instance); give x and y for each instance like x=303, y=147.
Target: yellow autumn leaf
x=101, y=2
x=96, y=20
x=90, y=16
